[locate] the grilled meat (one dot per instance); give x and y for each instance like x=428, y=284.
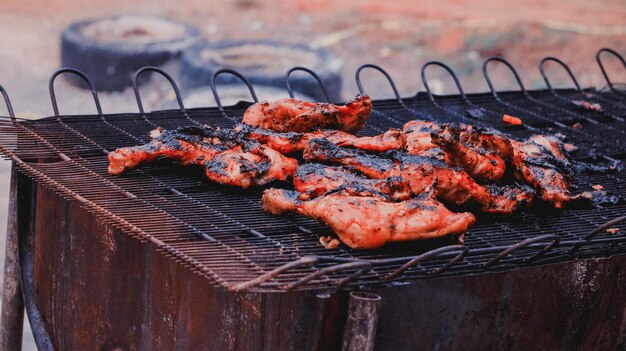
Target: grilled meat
x=290, y=142
x=365, y=222
x=478, y=153
x=393, y=139
x=225, y=156
x=291, y=115
x=314, y=179
x=418, y=139
x=542, y=162
x=485, y=138
x=188, y=145
x=421, y=173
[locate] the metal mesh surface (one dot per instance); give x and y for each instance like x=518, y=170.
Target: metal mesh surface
x=223, y=233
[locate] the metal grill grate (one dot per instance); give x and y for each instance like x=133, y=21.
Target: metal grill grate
x=223, y=234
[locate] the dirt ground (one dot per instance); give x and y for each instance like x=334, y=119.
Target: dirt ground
x=399, y=35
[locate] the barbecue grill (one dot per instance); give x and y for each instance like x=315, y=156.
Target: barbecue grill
x=162, y=259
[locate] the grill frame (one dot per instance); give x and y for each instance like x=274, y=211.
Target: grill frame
x=543, y=272
x=529, y=250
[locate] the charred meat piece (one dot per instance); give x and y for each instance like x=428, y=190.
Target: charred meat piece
x=542, y=162
x=393, y=139
x=485, y=165
x=375, y=166
x=365, y=222
x=236, y=167
x=291, y=115
x=315, y=179
x=422, y=173
x=187, y=145
x=456, y=186
x=552, y=145
x=418, y=139
x=290, y=142
x=226, y=158
x=485, y=138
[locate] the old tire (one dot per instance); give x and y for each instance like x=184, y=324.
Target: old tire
x=263, y=63
x=109, y=50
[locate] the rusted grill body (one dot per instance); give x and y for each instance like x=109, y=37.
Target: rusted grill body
x=252, y=263
x=224, y=234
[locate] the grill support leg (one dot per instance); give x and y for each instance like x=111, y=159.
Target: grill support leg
x=12, y=322
x=360, y=331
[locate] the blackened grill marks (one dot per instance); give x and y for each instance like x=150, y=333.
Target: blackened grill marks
x=226, y=155
x=488, y=155
x=371, y=165
x=420, y=173
x=482, y=164
x=291, y=142
x=293, y=115
x=314, y=179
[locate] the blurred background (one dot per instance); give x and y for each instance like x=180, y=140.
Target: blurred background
x=333, y=36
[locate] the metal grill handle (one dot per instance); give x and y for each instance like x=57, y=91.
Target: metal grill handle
x=555, y=240
x=362, y=266
x=164, y=74
x=510, y=67
x=357, y=78
x=7, y=102
x=303, y=261
x=304, y=69
x=452, y=74
x=80, y=74
x=589, y=237
x=563, y=64
x=599, y=60
x=236, y=74
x=463, y=250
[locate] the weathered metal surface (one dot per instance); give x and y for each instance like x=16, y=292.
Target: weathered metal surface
x=360, y=331
x=576, y=305
x=12, y=321
x=124, y=293
x=240, y=247
x=100, y=288
x=26, y=246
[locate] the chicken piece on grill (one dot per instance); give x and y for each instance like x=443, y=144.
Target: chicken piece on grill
x=245, y=168
x=421, y=173
x=485, y=165
x=315, y=179
x=485, y=138
x=291, y=115
x=226, y=158
x=418, y=139
x=542, y=162
x=187, y=145
x=290, y=142
x=365, y=222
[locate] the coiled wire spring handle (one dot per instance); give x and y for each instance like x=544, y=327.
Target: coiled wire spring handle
x=510, y=67
x=7, y=102
x=80, y=74
x=604, y=72
x=452, y=74
x=562, y=64
x=359, y=84
x=245, y=80
x=304, y=69
x=169, y=78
